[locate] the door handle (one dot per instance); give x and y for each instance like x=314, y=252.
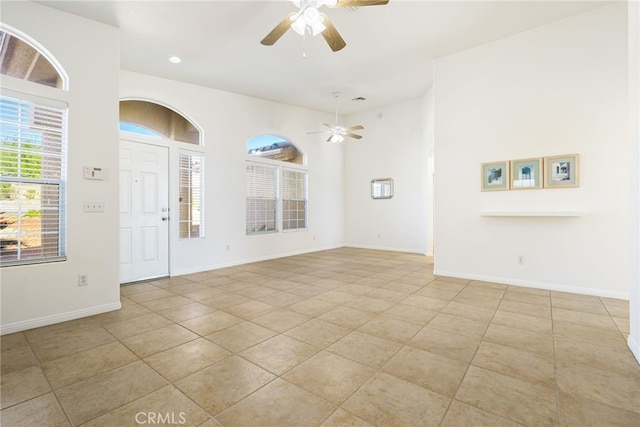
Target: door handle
x=165, y=218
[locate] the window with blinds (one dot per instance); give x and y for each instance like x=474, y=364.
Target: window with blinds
x=262, y=198
x=190, y=190
x=33, y=161
x=294, y=199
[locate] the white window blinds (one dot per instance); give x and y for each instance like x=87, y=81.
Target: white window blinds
x=190, y=190
x=32, y=181
x=262, y=198
x=294, y=199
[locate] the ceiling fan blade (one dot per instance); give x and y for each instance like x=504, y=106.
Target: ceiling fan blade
x=360, y=3
x=331, y=35
x=328, y=125
x=322, y=131
x=353, y=135
x=278, y=31
x=356, y=127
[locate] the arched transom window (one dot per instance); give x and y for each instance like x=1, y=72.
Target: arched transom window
x=19, y=59
x=149, y=118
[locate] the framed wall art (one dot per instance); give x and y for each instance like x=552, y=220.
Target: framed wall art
x=526, y=174
x=494, y=176
x=561, y=171
x=382, y=188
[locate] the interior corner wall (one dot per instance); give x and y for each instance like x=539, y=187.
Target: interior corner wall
x=41, y=294
x=228, y=121
x=396, y=144
x=557, y=89
x=634, y=163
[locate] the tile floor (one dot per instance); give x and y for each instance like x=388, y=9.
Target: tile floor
x=347, y=337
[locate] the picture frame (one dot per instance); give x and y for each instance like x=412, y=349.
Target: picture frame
x=561, y=171
x=494, y=176
x=382, y=188
x=526, y=174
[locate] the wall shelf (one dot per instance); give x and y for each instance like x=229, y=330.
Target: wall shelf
x=533, y=213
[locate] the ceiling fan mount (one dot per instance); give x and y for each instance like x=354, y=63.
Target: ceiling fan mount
x=336, y=131
x=309, y=21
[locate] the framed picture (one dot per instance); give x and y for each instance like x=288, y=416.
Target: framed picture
x=526, y=174
x=382, y=188
x=561, y=171
x=494, y=176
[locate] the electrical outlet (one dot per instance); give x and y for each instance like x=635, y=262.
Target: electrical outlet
x=521, y=259
x=83, y=280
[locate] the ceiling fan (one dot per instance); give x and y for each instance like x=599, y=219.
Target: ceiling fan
x=338, y=132
x=308, y=21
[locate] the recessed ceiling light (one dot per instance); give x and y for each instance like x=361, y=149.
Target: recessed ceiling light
x=359, y=99
x=175, y=60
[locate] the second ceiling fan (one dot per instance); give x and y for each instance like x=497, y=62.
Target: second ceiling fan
x=337, y=132
x=309, y=21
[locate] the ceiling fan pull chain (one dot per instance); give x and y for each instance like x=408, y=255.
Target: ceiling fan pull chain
x=304, y=46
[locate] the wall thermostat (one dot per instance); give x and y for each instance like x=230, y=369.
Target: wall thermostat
x=91, y=172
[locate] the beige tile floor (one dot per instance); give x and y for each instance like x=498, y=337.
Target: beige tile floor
x=347, y=337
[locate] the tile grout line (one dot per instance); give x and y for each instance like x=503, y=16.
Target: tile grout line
x=473, y=357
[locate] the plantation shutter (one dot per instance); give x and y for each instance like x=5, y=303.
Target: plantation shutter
x=294, y=199
x=262, y=198
x=32, y=180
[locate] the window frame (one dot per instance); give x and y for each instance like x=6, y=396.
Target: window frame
x=304, y=199
x=201, y=197
x=272, y=195
x=61, y=181
x=280, y=167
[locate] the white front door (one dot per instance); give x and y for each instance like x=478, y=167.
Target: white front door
x=144, y=211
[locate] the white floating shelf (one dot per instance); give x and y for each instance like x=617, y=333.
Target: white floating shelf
x=533, y=214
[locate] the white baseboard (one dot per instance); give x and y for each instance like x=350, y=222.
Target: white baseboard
x=634, y=346
x=538, y=285
x=243, y=261
x=385, y=248
x=57, y=318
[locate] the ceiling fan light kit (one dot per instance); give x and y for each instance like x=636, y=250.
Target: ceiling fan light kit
x=336, y=138
x=309, y=21
x=337, y=132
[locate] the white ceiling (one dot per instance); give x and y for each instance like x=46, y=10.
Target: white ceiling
x=388, y=57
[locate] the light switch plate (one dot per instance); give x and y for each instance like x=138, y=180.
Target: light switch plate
x=95, y=207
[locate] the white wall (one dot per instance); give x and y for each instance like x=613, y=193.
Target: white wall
x=557, y=89
x=228, y=120
x=47, y=293
x=634, y=129
x=396, y=144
